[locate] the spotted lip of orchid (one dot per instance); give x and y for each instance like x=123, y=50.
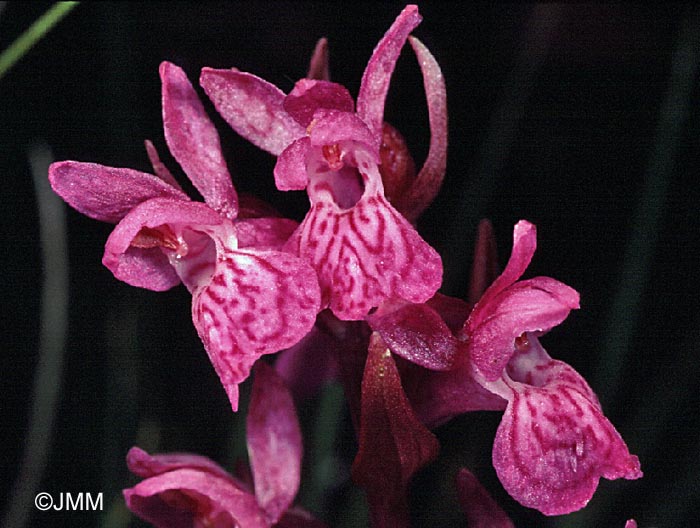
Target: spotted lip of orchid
x=183, y=490
x=363, y=250
x=553, y=443
x=249, y=298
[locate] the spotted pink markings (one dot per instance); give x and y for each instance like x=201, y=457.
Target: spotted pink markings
x=357, y=271
x=554, y=444
x=255, y=303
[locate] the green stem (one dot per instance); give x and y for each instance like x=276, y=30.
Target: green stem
x=31, y=36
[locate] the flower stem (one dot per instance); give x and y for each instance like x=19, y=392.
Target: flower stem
x=34, y=34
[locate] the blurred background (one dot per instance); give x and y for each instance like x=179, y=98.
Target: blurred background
x=582, y=118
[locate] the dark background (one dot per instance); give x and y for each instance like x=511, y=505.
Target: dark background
x=580, y=118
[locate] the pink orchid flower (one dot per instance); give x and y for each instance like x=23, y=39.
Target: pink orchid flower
x=187, y=491
x=362, y=248
x=249, y=298
x=553, y=443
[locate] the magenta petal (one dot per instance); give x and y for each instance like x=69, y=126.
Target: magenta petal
x=333, y=126
x=256, y=303
x=190, y=497
x=375, y=80
x=106, y=193
x=144, y=465
x=150, y=268
x=479, y=507
x=366, y=254
x=194, y=142
x=534, y=305
x=554, y=443
x=309, y=95
x=524, y=246
x=144, y=268
x=274, y=442
x=429, y=180
x=253, y=108
x=418, y=334
x=631, y=523
x=290, y=170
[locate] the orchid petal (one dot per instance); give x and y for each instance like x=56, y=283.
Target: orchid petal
x=257, y=302
x=534, y=305
x=107, y=193
x=554, y=443
x=253, y=107
x=290, y=170
x=375, y=80
x=159, y=169
x=393, y=444
x=187, y=497
x=366, y=254
x=144, y=268
x=309, y=95
x=194, y=142
x=479, y=507
x=427, y=183
x=145, y=465
x=524, y=246
x=274, y=442
x=318, y=66
x=418, y=334
x=334, y=126
x=150, y=268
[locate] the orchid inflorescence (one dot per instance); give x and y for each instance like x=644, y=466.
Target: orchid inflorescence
x=350, y=293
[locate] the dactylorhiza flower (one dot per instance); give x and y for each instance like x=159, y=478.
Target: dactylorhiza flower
x=553, y=443
x=184, y=491
x=249, y=297
x=362, y=248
